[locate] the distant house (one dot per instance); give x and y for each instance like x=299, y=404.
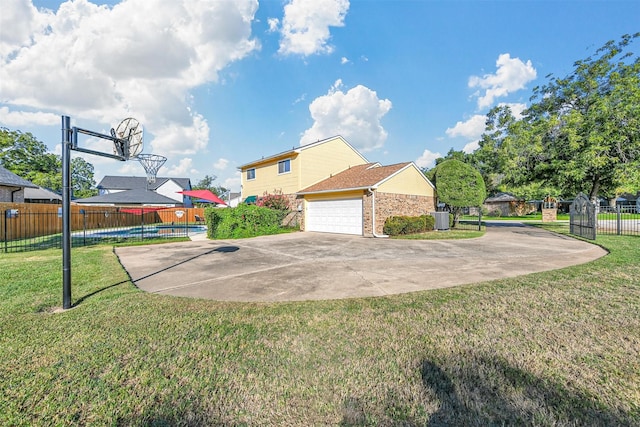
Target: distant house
x=234, y=199
x=12, y=187
x=137, y=191
x=41, y=195
x=506, y=204
x=335, y=189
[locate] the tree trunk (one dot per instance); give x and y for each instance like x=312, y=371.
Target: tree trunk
x=595, y=187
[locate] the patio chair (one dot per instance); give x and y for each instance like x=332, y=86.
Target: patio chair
x=199, y=219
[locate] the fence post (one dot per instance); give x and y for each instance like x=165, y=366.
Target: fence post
x=618, y=220
x=6, y=247
x=479, y=218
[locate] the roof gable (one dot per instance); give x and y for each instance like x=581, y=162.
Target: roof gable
x=297, y=150
x=356, y=178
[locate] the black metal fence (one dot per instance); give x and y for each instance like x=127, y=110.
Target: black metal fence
x=28, y=231
x=620, y=220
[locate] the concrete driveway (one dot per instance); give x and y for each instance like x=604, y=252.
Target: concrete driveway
x=316, y=266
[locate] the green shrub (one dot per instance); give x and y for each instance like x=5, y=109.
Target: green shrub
x=393, y=226
x=396, y=225
x=242, y=221
x=429, y=222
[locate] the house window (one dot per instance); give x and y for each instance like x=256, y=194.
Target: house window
x=284, y=166
x=251, y=174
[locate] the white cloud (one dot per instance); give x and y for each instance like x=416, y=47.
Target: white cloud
x=133, y=59
x=471, y=129
x=176, y=139
x=516, y=108
x=305, y=25
x=471, y=147
x=233, y=182
x=428, y=159
x=344, y=60
x=183, y=168
x=221, y=164
x=23, y=118
x=355, y=115
x=512, y=75
x=274, y=23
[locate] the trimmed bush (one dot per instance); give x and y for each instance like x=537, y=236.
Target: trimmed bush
x=396, y=225
x=242, y=221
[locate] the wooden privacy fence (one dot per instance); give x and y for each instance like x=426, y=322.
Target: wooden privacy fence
x=28, y=220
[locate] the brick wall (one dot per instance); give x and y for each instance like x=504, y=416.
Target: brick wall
x=389, y=204
x=6, y=194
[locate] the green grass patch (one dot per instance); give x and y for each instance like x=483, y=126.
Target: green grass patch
x=555, y=348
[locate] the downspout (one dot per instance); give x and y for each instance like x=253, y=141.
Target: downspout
x=14, y=192
x=373, y=213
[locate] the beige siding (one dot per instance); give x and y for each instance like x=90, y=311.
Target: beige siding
x=308, y=166
x=408, y=181
x=268, y=180
x=319, y=162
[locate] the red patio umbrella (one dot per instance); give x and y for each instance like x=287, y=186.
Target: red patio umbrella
x=204, y=194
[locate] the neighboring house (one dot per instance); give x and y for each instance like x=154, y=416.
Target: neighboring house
x=41, y=195
x=234, y=199
x=121, y=190
x=137, y=197
x=12, y=186
x=505, y=204
x=336, y=190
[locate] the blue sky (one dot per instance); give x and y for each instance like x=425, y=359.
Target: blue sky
x=217, y=84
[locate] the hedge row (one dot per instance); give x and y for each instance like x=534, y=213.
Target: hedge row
x=395, y=225
x=242, y=221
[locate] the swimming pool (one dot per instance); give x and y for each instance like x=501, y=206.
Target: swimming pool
x=146, y=232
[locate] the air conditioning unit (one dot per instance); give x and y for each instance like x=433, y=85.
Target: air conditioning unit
x=442, y=220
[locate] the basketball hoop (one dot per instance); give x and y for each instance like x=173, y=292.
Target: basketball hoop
x=128, y=138
x=151, y=163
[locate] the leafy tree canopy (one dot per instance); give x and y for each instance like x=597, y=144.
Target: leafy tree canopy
x=206, y=183
x=459, y=184
x=24, y=155
x=581, y=133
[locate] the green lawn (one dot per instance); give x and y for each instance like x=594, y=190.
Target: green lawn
x=557, y=348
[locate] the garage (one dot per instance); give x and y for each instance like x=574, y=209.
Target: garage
x=334, y=216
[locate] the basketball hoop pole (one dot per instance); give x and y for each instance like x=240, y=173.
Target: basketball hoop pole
x=66, y=212
x=70, y=142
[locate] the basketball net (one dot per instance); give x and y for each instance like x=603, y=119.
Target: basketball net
x=151, y=163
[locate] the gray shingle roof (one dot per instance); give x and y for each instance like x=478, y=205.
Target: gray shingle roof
x=10, y=179
x=41, y=194
x=132, y=182
x=139, y=196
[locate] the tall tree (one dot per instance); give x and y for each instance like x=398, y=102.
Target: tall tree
x=581, y=133
x=458, y=185
x=82, y=182
x=24, y=155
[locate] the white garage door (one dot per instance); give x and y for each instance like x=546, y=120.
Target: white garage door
x=335, y=216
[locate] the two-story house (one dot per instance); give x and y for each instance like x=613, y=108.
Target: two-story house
x=336, y=189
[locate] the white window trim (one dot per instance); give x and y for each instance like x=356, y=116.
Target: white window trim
x=285, y=172
x=254, y=174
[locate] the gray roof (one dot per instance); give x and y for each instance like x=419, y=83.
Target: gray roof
x=113, y=182
x=502, y=197
x=139, y=196
x=40, y=193
x=10, y=179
